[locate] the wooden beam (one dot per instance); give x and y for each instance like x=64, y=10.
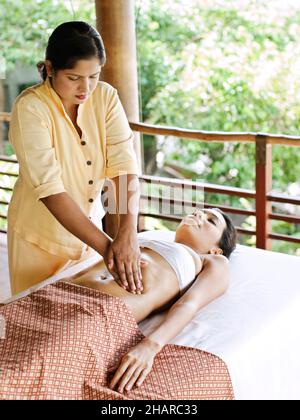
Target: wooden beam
x=218, y=136
x=116, y=24
x=115, y=21
x=263, y=187
x=2, y=99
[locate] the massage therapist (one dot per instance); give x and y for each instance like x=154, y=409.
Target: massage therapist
x=69, y=133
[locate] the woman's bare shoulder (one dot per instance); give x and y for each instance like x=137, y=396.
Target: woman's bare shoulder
x=219, y=258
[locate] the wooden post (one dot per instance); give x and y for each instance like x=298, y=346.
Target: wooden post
x=116, y=24
x=263, y=187
x=1, y=122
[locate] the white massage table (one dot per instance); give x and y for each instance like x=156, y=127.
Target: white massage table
x=253, y=327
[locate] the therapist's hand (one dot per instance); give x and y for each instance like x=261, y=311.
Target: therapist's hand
x=123, y=260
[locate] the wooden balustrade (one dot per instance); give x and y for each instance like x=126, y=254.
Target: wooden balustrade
x=262, y=195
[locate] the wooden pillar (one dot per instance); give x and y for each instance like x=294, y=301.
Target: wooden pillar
x=116, y=24
x=1, y=122
x=263, y=187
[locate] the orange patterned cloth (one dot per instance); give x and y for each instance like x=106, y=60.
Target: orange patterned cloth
x=64, y=342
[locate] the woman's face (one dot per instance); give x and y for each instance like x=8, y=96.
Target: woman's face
x=202, y=231
x=75, y=85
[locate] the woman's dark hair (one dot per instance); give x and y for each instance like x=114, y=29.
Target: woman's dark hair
x=228, y=240
x=69, y=42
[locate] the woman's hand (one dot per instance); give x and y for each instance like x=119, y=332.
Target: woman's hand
x=135, y=365
x=122, y=259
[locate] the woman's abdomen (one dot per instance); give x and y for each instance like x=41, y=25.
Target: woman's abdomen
x=160, y=285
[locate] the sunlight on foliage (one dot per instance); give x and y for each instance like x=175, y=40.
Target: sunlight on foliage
x=216, y=65
x=222, y=65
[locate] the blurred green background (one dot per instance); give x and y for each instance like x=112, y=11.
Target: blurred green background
x=218, y=65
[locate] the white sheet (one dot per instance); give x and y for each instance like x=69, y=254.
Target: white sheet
x=253, y=327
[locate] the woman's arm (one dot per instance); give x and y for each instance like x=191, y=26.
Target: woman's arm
x=211, y=282
x=70, y=215
x=125, y=246
x=124, y=252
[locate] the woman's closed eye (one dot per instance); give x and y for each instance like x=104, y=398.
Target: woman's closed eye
x=212, y=221
x=77, y=78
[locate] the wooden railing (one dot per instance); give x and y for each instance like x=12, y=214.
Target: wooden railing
x=262, y=195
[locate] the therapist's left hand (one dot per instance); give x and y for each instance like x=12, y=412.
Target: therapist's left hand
x=123, y=261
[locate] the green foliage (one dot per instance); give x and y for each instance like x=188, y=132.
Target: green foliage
x=26, y=26
x=228, y=66
x=218, y=65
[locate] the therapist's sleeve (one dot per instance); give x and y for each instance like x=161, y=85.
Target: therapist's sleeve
x=30, y=137
x=120, y=155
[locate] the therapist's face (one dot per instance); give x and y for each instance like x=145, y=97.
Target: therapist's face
x=75, y=85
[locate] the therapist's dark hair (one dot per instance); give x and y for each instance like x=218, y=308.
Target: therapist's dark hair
x=69, y=42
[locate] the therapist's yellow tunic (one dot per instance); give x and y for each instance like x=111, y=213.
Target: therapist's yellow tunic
x=53, y=159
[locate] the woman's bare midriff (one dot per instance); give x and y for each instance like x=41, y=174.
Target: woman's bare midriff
x=160, y=285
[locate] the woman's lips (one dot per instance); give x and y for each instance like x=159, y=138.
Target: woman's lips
x=192, y=220
x=81, y=97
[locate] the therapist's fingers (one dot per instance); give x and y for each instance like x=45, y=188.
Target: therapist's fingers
x=139, y=267
x=113, y=270
x=137, y=277
x=118, y=280
x=130, y=277
x=121, y=272
x=110, y=259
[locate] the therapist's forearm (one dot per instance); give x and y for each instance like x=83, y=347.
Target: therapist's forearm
x=128, y=196
x=72, y=218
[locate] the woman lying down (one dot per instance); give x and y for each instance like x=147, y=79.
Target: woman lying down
x=184, y=276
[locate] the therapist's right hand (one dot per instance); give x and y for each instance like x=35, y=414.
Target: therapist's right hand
x=112, y=268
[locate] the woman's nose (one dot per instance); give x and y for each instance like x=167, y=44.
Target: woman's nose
x=84, y=86
x=199, y=213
